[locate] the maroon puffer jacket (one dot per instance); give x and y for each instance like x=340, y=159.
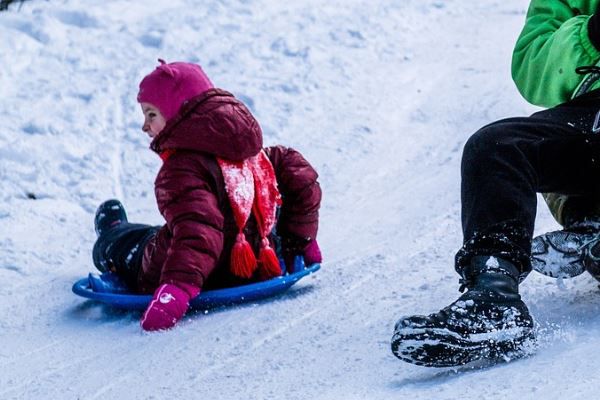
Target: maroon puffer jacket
x=194, y=245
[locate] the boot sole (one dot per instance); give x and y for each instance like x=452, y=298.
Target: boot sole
x=559, y=254
x=435, y=347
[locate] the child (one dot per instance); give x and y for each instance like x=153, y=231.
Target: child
x=555, y=151
x=220, y=193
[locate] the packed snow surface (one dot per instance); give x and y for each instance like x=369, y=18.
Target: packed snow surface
x=379, y=95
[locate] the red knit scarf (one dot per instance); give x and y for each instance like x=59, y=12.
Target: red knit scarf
x=252, y=188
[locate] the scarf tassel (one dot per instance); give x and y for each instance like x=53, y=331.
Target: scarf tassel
x=243, y=260
x=269, y=266
x=251, y=187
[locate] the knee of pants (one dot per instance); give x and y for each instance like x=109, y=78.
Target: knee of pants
x=489, y=145
x=482, y=142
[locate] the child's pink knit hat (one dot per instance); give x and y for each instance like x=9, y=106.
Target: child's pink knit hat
x=170, y=85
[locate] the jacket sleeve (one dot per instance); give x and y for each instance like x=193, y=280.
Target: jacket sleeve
x=186, y=198
x=554, y=42
x=300, y=191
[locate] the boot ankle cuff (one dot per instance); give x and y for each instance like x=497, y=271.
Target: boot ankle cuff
x=491, y=265
x=490, y=274
x=494, y=242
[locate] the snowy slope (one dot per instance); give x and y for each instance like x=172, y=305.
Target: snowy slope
x=379, y=95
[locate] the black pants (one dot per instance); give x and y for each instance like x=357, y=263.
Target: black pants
x=121, y=250
x=506, y=163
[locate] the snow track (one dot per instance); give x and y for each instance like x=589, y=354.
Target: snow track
x=380, y=96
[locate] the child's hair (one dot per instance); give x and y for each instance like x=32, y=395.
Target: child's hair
x=171, y=85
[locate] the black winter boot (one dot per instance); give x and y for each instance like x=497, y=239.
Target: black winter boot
x=120, y=244
x=565, y=253
x=489, y=321
x=109, y=214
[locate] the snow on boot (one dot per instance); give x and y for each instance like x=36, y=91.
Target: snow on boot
x=561, y=254
x=489, y=321
x=109, y=214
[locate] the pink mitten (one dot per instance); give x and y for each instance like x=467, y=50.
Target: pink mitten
x=169, y=304
x=312, y=253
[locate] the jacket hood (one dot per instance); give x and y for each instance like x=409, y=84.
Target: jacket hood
x=214, y=122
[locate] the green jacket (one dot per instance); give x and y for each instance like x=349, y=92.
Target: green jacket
x=553, y=43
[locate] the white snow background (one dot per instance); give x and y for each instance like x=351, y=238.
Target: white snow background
x=379, y=95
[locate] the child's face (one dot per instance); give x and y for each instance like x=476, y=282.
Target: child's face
x=154, y=122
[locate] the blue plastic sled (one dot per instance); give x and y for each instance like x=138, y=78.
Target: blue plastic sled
x=106, y=289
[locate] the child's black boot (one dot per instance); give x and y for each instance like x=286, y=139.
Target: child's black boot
x=488, y=321
x=109, y=214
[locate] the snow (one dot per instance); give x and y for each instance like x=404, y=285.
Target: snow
x=380, y=96
x=240, y=186
x=492, y=262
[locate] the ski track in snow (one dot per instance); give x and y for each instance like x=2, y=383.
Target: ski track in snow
x=380, y=97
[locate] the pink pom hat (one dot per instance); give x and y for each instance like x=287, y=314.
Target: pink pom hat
x=170, y=85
